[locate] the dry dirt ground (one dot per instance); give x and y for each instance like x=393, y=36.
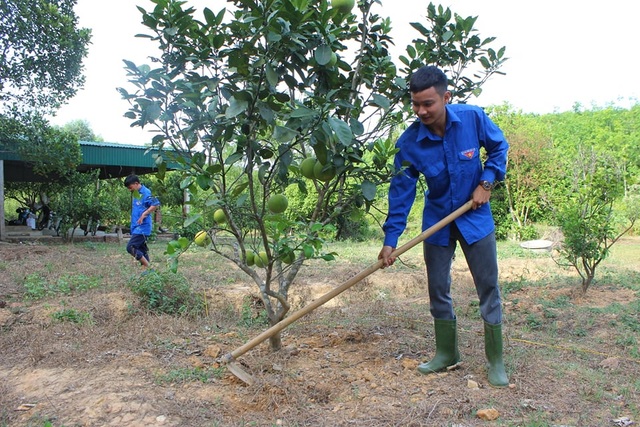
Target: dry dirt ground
x=573, y=359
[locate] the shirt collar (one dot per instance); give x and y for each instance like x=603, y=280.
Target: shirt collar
x=424, y=132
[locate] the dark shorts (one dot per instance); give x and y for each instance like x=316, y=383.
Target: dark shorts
x=137, y=246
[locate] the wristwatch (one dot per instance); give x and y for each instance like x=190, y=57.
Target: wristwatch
x=487, y=185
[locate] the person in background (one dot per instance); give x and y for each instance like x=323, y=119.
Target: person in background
x=143, y=204
x=444, y=144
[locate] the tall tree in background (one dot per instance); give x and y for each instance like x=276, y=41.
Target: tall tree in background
x=82, y=130
x=279, y=95
x=41, y=54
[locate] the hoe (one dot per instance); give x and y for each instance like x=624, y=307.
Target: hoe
x=229, y=359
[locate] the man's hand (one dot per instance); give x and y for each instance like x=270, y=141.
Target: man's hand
x=480, y=197
x=146, y=214
x=385, y=256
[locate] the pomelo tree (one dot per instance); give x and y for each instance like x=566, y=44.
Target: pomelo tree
x=242, y=98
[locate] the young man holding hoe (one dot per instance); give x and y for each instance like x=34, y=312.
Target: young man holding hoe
x=444, y=145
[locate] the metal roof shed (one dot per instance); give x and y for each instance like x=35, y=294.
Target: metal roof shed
x=112, y=159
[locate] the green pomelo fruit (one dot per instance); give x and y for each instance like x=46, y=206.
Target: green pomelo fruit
x=251, y=258
x=202, y=238
x=261, y=259
x=219, y=216
x=306, y=167
x=333, y=61
x=277, y=203
x=289, y=257
x=258, y=261
x=344, y=6
x=323, y=174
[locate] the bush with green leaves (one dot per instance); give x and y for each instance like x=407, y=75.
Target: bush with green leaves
x=167, y=293
x=588, y=218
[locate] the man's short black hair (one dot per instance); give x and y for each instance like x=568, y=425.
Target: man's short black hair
x=428, y=76
x=131, y=179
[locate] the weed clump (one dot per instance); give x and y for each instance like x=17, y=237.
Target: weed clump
x=167, y=293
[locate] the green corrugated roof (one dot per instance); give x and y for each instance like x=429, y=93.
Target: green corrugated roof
x=111, y=154
x=114, y=160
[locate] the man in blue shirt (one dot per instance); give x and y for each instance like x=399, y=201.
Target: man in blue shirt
x=143, y=204
x=444, y=146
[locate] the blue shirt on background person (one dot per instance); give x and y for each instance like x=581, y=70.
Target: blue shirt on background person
x=138, y=206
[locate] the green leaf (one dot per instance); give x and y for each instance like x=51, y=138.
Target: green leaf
x=191, y=219
x=203, y=181
x=368, y=190
x=272, y=76
x=235, y=157
x=210, y=17
x=183, y=242
x=381, y=101
x=308, y=251
x=342, y=130
x=238, y=189
x=236, y=107
x=173, y=264
x=302, y=112
x=284, y=134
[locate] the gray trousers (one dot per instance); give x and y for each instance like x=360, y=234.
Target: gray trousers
x=482, y=259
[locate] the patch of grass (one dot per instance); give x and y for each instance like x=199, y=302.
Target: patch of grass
x=513, y=286
x=562, y=301
x=184, y=375
x=253, y=313
x=512, y=249
x=167, y=293
x=38, y=287
x=72, y=315
x=533, y=322
x=40, y=421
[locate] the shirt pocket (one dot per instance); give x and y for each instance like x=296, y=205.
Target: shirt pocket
x=469, y=165
x=432, y=169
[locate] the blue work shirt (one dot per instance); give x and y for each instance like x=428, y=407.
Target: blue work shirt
x=138, y=206
x=452, y=167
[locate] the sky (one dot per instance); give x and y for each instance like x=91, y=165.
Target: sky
x=561, y=52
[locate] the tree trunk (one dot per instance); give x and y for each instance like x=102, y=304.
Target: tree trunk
x=275, y=342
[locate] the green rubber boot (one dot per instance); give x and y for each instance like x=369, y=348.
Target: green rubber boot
x=493, y=350
x=447, y=353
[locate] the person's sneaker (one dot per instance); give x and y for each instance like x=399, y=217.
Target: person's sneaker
x=148, y=271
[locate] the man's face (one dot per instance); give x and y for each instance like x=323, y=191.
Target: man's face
x=429, y=106
x=134, y=187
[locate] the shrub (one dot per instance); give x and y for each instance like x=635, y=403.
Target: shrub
x=168, y=293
